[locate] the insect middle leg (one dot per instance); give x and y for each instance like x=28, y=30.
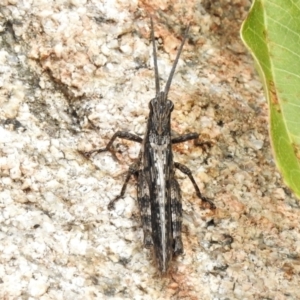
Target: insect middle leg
x=133, y=170
x=185, y=170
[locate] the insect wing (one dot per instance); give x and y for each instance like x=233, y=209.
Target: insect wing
x=176, y=210
x=143, y=195
x=160, y=158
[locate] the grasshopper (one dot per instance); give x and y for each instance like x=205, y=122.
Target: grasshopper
x=158, y=191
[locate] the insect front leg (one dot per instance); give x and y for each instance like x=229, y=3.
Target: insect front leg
x=176, y=210
x=143, y=195
x=119, y=134
x=190, y=136
x=185, y=170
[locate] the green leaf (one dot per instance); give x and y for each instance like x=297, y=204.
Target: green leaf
x=272, y=34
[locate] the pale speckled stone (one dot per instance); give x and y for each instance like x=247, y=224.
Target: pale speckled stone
x=37, y=288
x=77, y=72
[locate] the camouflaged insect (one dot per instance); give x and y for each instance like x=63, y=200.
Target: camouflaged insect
x=158, y=191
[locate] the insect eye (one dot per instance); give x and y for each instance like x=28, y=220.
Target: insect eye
x=171, y=105
x=150, y=104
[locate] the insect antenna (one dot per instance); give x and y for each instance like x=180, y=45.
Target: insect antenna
x=168, y=84
x=157, y=86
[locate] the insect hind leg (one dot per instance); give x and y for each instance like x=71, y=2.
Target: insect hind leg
x=176, y=210
x=143, y=195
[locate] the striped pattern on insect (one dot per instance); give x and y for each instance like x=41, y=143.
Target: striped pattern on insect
x=158, y=191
